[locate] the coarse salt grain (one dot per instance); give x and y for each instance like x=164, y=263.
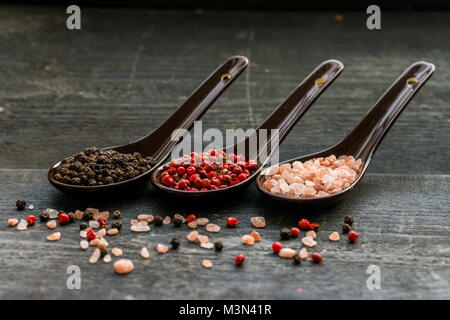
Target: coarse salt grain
x=145, y=217
x=179, y=216
x=134, y=222
x=83, y=233
x=303, y=254
x=211, y=227
x=95, y=256
x=94, y=224
x=144, y=253
x=248, y=240
x=100, y=233
x=123, y=266
x=102, y=244
x=117, y=252
x=84, y=244
x=207, y=245
x=309, y=242
x=287, y=253
x=30, y=207
x=107, y=258
x=207, y=264
x=102, y=214
x=51, y=224
x=94, y=242
x=202, y=221
x=202, y=238
x=255, y=236
x=113, y=231
x=22, y=225
x=311, y=234
x=334, y=236
x=52, y=213
x=258, y=222
x=166, y=220
x=192, y=224
x=160, y=248
x=140, y=228
x=192, y=236
x=54, y=236
x=78, y=215
x=13, y=222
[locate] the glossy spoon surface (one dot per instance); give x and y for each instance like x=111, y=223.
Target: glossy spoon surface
x=283, y=118
x=158, y=143
x=364, y=139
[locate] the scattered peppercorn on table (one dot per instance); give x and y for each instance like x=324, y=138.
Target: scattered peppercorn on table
x=112, y=83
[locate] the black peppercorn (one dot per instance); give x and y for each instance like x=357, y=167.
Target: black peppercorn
x=71, y=216
x=20, y=204
x=175, y=243
x=349, y=220
x=218, y=246
x=116, y=214
x=346, y=228
x=285, y=233
x=103, y=252
x=177, y=221
x=44, y=216
x=88, y=215
x=297, y=259
x=83, y=225
x=157, y=221
x=117, y=225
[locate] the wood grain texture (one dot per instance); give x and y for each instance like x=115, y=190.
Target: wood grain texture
x=126, y=70
x=402, y=220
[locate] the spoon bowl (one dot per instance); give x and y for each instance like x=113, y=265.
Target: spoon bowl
x=159, y=143
x=364, y=139
x=283, y=118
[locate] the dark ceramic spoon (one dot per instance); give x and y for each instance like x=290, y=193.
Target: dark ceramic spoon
x=158, y=143
x=363, y=140
x=283, y=118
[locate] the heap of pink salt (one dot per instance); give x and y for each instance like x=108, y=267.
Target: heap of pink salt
x=314, y=178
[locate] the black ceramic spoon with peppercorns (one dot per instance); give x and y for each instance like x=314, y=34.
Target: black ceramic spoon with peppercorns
x=205, y=178
x=156, y=146
x=364, y=139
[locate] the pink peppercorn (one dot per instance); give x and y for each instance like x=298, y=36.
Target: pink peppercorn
x=239, y=260
x=191, y=218
x=102, y=221
x=232, y=222
x=295, y=232
x=304, y=224
x=31, y=220
x=63, y=218
x=316, y=257
x=353, y=236
x=277, y=246
x=90, y=235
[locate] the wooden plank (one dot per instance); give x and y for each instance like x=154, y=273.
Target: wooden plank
x=402, y=221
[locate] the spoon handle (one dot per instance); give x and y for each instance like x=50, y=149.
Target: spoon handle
x=367, y=136
x=159, y=143
x=286, y=115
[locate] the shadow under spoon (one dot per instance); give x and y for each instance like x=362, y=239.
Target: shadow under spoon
x=158, y=143
x=363, y=140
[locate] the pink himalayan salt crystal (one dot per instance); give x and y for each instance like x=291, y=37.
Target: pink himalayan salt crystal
x=211, y=227
x=192, y=236
x=94, y=224
x=303, y=254
x=123, y=266
x=311, y=234
x=94, y=242
x=287, y=253
x=207, y=264
x=309, y=242
x=144, y=253
x=84, y=244
x=334, y=236
x=113, y=231
x=78, y=215
x=202, y=238
x=100, y=233
x=140, y=228
x=102, y=244
x=258, y=222
x=134, y=222
x=117, y=252
x=13, y=222
x=255, y=236
x=248, y=240
x=83, y=234
x=179, y=216
x=167, y=220
x=102, y=214
x=314, y=178
x=22, y=225
x=145, y=217
x=160, y=248
x=192, y=224
x=207, y=245
x=95, y=256
x=107, y=258
x=202, y=221
x=54, y=236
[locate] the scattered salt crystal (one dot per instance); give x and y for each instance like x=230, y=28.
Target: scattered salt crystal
x=207, y=245
x=160, y=248
x=287, y=253
x=211, y=227
x=255, y=236
x=94, y=224
x=22, y=226
x=117, y=252
x=144, y=253
x=303, y=254
x=192, y=224
x=309, y=242
x=145, y=217
x=54, y=236
x=142, y=223
x=13, y=222
x=258, y=222
x=84, y=244
x=202, y=238
x=30, y=207
x=102, y=214
x=192, y=236
x=334, y=236
x=134, y=222
x=207, y=264
x=83, y=233
x=123, y=266
x=311, y=234
x=95, y=256
x=78, y=215
x=102, y=244
x=202, y=221
x=94, y=242
x=53, y=214
x=166, y=220
x=248, y=240
x=100, y=233
x=179, y=216
x=51, y=224
x=140, y=228
x=107, y=258
x=113, y=231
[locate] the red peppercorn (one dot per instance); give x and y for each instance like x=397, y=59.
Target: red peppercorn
x=232, y=222
x=316, y=226
x=31, y=220
x=63, y=218
x=304, y=224
x=90, y=235
x=295, y=232
x=277, y=246
x=240, y=258
x=316, y=257
x=353, y=236
x=102, y=221
x=181, y=171
x=191, y=218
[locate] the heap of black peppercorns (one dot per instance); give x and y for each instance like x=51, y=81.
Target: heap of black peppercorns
x=94, y=167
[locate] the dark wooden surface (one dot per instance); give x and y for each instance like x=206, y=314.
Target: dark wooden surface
x=126, y=70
